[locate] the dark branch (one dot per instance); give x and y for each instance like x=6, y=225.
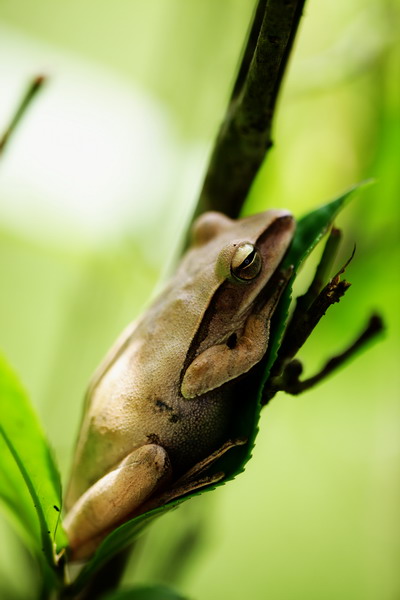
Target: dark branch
x=309, y=310
x=248, y=53
x=299, y=330
x=312, y=306
x=290, y=383
x=245, y=134
x=35, y=85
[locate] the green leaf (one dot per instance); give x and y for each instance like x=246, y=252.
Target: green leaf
x=30, y=486
x=115, y=542
x=145, y=592
x=310, y=230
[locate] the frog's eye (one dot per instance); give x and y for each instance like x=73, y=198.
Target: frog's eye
x=246, y=262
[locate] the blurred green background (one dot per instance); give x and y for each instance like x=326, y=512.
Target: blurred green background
x=96, y=188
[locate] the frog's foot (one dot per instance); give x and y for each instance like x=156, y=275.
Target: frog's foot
x=193, y=479
x=112, y=499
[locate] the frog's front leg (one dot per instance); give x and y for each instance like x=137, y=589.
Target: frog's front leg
x=224, y=362
x=114, y=497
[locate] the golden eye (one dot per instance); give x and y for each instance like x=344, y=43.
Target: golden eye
x=246, y=262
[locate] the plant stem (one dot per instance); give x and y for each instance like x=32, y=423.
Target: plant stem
x=35, y=85
x=290, y=383
x=104, y=580
x=245, y=134
x=108, y=577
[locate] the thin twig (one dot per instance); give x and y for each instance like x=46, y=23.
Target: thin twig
x=298, y=332
x=300, y=328
x=310, y=308
x=35, y=85
x=245, y=134
x=290, y=382
x=304, y=321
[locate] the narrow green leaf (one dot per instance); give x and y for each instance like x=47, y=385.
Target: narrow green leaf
x=15, y=498
x=313, y=226
x=310, y=230
x=24, y=452
x=145, y=592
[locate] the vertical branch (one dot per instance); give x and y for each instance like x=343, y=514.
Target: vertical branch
x=245, y=134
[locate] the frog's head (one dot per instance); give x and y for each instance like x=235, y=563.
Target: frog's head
x=238, y=286
x=242, y=253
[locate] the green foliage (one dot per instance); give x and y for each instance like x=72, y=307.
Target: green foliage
x=323, y=486
x=310, y=229
x=30, y=485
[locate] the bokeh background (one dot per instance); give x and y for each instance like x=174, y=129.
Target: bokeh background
x=96, y=188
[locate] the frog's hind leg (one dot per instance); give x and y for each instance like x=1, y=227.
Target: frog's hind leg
x=111, y=500
x=204, y=464
x=194, y=479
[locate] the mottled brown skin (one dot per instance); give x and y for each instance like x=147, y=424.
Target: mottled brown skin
x=161, y=401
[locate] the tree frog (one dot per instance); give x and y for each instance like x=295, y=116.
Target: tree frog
x=158, y=409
